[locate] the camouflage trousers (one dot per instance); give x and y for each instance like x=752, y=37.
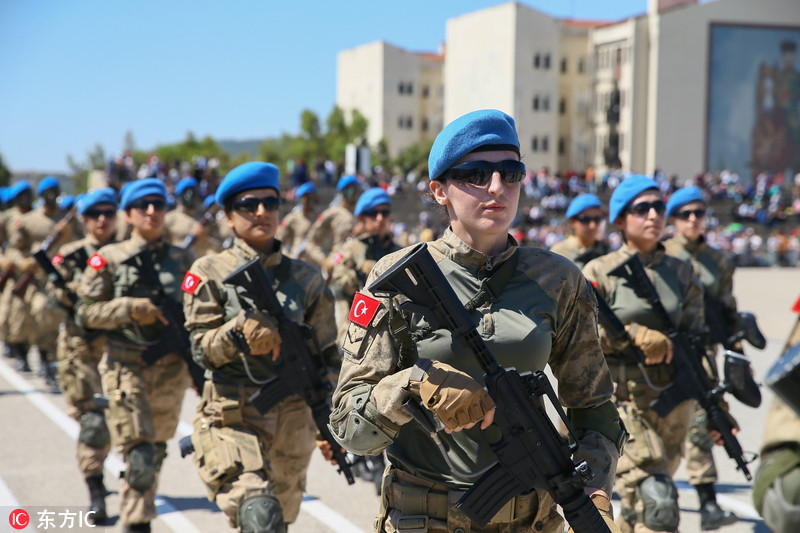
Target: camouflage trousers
x=240, y=453
x=699, y=457
x=410, y=503
x=79, y=380
x=32, y=318
x=145, y=404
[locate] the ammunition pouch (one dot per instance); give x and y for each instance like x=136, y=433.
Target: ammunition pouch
x=698, y=431
x=125, y=420
x=94, y=432
x=644, y=445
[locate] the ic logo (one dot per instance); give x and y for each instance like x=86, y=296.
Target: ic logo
x=19, y=519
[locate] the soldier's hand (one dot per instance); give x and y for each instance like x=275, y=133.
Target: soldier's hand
x=714, y=433
x=458, y=400
x=28, y=264
x=144, y=312
x=603, y=503
x=656, y=347
x=327, y=451
x=261, y=333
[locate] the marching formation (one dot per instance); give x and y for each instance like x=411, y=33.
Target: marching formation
x=418, y=368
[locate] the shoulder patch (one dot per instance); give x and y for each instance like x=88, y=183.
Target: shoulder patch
x=97, y=262
x=338, y=259
x=57, y=259
x=363, y=309
x=190, y=283
x=796, y=306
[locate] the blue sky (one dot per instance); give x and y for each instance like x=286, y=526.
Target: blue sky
x=76, y=73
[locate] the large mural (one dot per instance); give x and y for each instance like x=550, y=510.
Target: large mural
x=753, y=100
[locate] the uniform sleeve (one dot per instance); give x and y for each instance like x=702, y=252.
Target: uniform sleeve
x=320, y=316
x=344, y=280
x=97, y=308
x=313, y=249
x=693, y=313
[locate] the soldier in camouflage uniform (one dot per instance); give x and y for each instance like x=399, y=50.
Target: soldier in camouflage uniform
x=332, y=228
x=294, y=226
x=354, y=261
x=80, y=351
x=143, y=375
x=254, y=466
x=653, y=453
x=187, y=225
x=585, y=217
x=545, y=314
x=687, y=209
x=37, y=312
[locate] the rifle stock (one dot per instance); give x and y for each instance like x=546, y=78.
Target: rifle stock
x=690, y=381
x=298, y=372
x=208, y=216
x=530, y=451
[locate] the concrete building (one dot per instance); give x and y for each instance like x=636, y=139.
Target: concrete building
x=399, y=92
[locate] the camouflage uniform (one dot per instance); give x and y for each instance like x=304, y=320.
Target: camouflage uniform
x=12, y=323
x=145, y=400
x=293, y=230
x=327, y=234
x=544, y=315
x=655, y=445
x=180, y=223
x=350, y=265
x=272, y=450
x=715, y=270
x=572, y=249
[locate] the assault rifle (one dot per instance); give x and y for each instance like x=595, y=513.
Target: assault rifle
x=530, y=452
x=53, y=275
x=27, y=277
x=690, y=380
x=208, y=217
x=175, y=338
x=599, y=249
x=299, y=371
x=728, y=328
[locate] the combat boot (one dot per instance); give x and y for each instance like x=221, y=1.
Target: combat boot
x=20, y=352
x=47, y=370
x=712, y=516
x=97, y=496
x=136, y=528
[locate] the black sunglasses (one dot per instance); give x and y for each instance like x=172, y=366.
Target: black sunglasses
x=97, y=213
x=585, y=219
x=480, y=172
x=250, y=205
x=684, y=215
x=643, y=208
x=376, y=212
x=158, y=205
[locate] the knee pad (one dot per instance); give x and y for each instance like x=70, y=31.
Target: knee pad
x=160, y=453
x=261, y=514
x=779, y=511
x=660, y=498
x=94, y=432
x=141, y=473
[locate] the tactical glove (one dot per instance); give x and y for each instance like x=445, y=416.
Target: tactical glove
x=456, y=398
x=655, y=346
x=144, y=312
x=260, y=332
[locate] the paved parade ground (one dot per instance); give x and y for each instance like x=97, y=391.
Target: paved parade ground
x=38, y=470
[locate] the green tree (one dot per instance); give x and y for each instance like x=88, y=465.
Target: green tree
x=414, y=157
x=5, y=173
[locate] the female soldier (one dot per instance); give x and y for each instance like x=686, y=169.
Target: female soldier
x=585, y=216
x=644, y=474
x=687, y=211
x=545, y=314
x=260, y=485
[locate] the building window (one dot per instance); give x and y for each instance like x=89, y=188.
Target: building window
x=536, y=103
x=424, y=124
x=563, y=65
x=410, y=88
x=425, y=91
x=537, y=61
x=562, y=146
x=581, y=66
x=545, y=144
x=535, y=144
x=401, y=88
x=409, y=122
x=546, y=103
x=400, y=122
x=562, y=106
x=546, y=62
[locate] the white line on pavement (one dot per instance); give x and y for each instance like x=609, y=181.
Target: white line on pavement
x=7, y=499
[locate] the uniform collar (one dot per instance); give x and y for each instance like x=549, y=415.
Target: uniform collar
x=242, y=249
x=692, y=247
x=652, y=259
x=154, y=247
x=460, y=252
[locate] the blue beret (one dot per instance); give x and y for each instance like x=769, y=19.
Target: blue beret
x=3, y=195
x=96, y=197
x=684, y=196
x=306, y=188
x=345, y=181
x=66, y=202
x=17, y=189
x=252, y=175
x=209, y=200
x=184, y=184
x=479, y=129
x=581, y=203
x=141, y=188
x=48, y=182
x=371, y=199
x=630, y=188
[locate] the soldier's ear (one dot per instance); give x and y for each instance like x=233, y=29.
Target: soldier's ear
x=439, y=193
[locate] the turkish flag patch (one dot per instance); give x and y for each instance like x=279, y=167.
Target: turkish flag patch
x=363, y=310
x=796, y=306
x=97, y=262
x=190, y=283
x=57, y=259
